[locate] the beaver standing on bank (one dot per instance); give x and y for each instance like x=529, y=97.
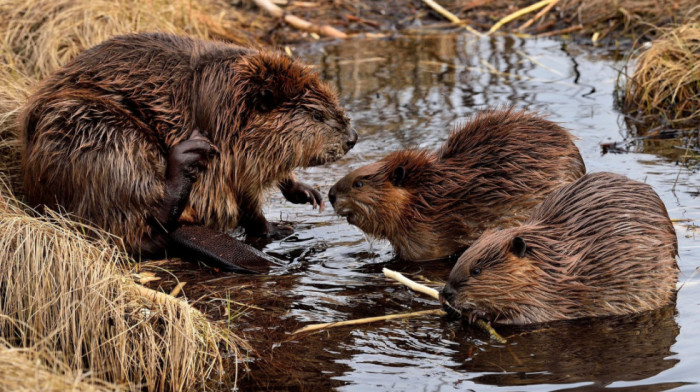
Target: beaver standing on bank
x=120, y=136
x=489, y=173
x=603, y=245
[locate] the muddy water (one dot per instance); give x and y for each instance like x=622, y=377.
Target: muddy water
x=409, y=92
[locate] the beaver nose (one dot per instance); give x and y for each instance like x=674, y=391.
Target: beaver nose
x=447, y=294
x=331, y=195
x=352, y=139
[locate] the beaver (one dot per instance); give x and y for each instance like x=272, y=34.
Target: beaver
x=144, y=131
x=489, y=173
x=603, y=245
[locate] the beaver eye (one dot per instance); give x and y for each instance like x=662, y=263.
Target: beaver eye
x=357, y=184
x=317, y=116
x=475, y=271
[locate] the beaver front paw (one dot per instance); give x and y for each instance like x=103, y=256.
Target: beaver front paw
x=300, y=193
x=188, y=158
x=185, y=162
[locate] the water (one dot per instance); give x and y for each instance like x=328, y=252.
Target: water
x=409, y=92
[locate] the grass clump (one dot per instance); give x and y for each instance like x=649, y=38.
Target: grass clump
x=632, y=17
x=663, y=92
x=63, y=294
x=26, y=370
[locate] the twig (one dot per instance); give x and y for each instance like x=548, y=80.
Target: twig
x=450, y=16
x=689, y=278
x=177, y=289
x=538, y=15
x=397, y=276
x=297, y=22
x=492, y=332
x=561, y=31
x=314, y=327
x=518, y=14
x=434, y=293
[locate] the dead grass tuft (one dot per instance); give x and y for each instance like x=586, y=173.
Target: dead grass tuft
x=62, y=294
x=42, y=35
x=663, y=92
x=38, y=36
x=633, y=17
x=26, y=370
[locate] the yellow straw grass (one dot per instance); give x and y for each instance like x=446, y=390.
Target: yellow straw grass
x=63, y=294
x=26, y=370
x=664, y=89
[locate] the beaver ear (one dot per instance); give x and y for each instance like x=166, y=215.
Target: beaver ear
x=266, y=100
x=518, y=247
x=397, y=176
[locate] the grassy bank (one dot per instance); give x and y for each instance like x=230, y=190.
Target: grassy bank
x=69, y=305
x=662, y=85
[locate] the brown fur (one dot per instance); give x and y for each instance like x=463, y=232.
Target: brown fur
x=97, y=132
x=489, y=173
x=603, y=245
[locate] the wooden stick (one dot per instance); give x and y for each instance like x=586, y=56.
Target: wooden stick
x=518, y=14
x=297, y=22
x=177, y=289
x=314, y=327
x=434, y=293
x=558, y=32
x=451, y=17
x=538, y=15
x=415, y=286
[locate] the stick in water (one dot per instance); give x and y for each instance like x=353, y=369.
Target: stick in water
x=434, y=293
x=315, y=327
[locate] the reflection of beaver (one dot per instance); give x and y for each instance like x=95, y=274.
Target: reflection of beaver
x=119, y=136
x=599, y=351
x=489, y=173
x=603, y=245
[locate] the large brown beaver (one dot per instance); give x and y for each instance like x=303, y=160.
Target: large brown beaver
x=120, y=136
x=489, y=173
x=603, y=245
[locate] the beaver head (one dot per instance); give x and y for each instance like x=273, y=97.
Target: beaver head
x=272, y=108
x=387, y=200
x=497, y=279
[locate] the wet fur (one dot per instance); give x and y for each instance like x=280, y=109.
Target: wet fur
x=97, y=133
x=603, y=245
x=490, y=173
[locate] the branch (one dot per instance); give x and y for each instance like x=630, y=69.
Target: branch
x=518, y=14
x=297, y=22
x=434, y=293
x=450, y=16
x=314, y=327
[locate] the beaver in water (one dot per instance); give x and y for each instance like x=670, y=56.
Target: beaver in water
x=489, y=173
x=121, y=135
x=603, y=245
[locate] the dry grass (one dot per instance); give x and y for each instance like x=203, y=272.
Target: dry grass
x=664, y=89
x=634, y=17
x=63, y=294
x=41, y=35
x=38, y=36
x=26, y=370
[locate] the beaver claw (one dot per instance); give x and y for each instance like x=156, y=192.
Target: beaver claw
x=300, y=193
x=185, y=161
x=188, y=158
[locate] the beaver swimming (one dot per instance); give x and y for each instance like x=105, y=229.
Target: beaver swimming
x=489, y=173
x=603, y=245
x=146, y=130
